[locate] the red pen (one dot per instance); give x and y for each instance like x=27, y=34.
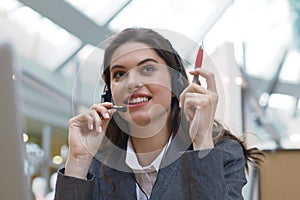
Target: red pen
x=198, y=62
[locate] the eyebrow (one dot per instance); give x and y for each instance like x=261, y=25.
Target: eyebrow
x=140, y=63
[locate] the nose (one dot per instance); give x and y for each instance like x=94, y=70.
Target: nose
x=134, y=81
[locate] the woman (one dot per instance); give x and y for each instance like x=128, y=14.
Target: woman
x=167, y=144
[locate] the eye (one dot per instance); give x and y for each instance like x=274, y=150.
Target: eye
x=148, y=68
x=118, y=74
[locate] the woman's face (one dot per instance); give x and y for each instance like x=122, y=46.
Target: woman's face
x=140, y=80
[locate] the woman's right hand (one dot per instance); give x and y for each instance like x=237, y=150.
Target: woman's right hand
x=86, y=132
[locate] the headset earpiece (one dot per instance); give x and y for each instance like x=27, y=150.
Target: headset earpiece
x=106, y=95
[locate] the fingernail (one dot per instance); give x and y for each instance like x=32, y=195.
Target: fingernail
x=106, y=115
x=100, y=129
x=179, y=104
x=91, y=127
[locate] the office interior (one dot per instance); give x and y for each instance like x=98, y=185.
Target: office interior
x=254, y=47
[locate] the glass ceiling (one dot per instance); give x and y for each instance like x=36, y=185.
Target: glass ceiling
x=263, y=28
x=185, y=17
x=35, y=36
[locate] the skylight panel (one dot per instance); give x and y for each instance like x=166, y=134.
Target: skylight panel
x=38, y=38
x=185, y=17
x=291, y=69
x=99, y=11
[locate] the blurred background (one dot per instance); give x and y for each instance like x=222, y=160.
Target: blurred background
x=255, y=46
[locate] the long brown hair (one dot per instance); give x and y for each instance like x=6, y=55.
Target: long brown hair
x=165, y=50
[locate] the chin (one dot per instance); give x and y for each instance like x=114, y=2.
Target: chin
x=140, y=121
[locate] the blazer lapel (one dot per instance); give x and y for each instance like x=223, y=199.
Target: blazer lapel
x=121, y=175
x=165, y=178
x=124, y=185
x=169, y=172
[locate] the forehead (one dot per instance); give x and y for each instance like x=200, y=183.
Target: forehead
x=133, y=51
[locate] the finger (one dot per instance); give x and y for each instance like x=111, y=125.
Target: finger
x=209, y=76
x=104, y=115
x=82, y=120
x=193, y=100
x=96, y=121
x=107, y=104
x=90, y=122
x=102, y=110
x=183, y=93
x=197, y=100
x=192, y=88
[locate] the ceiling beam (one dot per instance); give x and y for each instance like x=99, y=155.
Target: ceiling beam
x=118, y=12
x=281, y=87
x=273, y=82
x=72, y=20
x=250, y=98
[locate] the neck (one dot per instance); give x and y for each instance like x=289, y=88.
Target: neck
x=150, y=144
x=147, y=149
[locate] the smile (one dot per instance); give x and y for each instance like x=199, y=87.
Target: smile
x=138, y=100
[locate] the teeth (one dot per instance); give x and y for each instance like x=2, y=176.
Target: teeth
x=138, y=100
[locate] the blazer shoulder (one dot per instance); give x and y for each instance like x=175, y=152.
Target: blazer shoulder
x=231, y=148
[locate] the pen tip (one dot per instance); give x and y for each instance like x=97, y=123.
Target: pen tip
x=202, y=45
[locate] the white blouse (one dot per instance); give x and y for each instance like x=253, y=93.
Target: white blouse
x=145, y=176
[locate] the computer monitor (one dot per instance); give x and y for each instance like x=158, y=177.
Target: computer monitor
x=14, y=184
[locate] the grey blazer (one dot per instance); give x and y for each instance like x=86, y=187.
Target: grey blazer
x=217, y=174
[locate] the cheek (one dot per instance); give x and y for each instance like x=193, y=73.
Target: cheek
x=117, y=92
x=165, y=79
x=164, y=87
x=163, y=93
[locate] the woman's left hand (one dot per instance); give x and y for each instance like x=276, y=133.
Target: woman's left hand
x=199, y=105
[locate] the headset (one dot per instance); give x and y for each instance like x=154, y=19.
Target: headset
x=106, y=95
x=177, y=82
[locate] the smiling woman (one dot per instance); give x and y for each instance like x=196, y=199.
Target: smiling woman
x=167, y=144
x=140, y=80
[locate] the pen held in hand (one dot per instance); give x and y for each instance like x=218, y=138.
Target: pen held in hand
x=198, y=63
